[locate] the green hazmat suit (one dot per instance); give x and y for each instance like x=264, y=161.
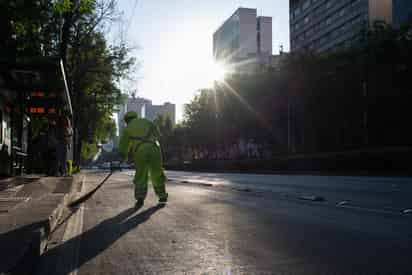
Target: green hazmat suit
x=140, y=139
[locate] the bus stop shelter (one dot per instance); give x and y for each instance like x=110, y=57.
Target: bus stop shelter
x=32, y=93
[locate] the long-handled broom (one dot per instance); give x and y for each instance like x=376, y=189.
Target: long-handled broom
x=90, y=193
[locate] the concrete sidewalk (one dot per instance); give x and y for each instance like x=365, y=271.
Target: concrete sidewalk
x=30, y=208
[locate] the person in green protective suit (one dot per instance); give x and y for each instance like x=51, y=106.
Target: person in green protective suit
x=140, y=139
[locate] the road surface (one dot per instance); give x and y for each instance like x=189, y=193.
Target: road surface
x=218, y=230
x=380, y=194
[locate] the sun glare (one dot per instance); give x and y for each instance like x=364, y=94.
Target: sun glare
x=218, y=72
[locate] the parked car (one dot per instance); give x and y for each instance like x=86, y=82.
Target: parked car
x=115, y=164
x=105, y=165
x=125, y=165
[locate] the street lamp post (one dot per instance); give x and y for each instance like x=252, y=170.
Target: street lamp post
x=288, y=125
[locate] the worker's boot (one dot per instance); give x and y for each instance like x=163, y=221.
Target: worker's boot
x=163, y=200
x=139, y=203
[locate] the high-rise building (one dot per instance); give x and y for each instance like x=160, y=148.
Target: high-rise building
x=402, y=12
x=326, y=25
x=135, y=104
x=243, y=36
x=145, y=109
x=167, y=110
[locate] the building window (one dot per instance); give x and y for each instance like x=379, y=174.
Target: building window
x=329, y=21
x=322, y=23
x=328, y=4
x=322, y=40
x=297, y=11
x=306, y=4
x=354, y=3
x=357, y=20
x=342, y=12
x=306, y=19
x=328, y=35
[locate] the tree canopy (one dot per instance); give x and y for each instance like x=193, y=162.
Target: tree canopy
x=75, y=31
x=352, y=98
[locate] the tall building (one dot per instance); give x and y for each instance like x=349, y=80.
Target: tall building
x=326, y=25
x=243, y=36
x=402, y=12
x=145, y=109
x=132, y=104
x=167, y=110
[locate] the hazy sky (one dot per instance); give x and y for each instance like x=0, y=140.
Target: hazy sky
x=175, y=40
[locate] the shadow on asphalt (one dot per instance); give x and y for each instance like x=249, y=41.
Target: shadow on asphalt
x=17, y=241
x=95, y=240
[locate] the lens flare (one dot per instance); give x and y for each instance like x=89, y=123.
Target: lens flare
x=218, y=72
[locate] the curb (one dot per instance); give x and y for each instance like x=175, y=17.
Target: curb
x=57, y=213
x=40, y=237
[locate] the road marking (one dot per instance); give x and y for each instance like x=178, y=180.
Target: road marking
x=312, y=198
x=16, y=199
x=72, y=234
x=407, y=211
x=228, y=259
x=72, y=237
x=371, y=210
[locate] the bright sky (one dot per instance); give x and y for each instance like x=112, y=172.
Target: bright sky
x=175, y=38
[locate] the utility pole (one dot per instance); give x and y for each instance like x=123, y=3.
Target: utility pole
x=365, y=113
x=289, y=145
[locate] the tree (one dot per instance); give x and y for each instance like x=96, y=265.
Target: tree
x=313, y=103
x=164, y=124
x=94, y=67
x=73, y=30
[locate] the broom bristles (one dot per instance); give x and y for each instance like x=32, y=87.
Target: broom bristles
x=89, y=194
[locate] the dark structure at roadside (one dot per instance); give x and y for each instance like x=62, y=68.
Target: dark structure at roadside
x=323, y=26
x=33, y=96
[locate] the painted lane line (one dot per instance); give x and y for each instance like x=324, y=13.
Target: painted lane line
x=371, y=210
x=69, y=259
x=312, y=198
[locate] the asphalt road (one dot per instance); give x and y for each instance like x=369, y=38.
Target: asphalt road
x=219, y=230
x=380, y=194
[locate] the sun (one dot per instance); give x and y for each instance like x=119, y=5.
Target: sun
x=214, y=72
x=218, y=72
